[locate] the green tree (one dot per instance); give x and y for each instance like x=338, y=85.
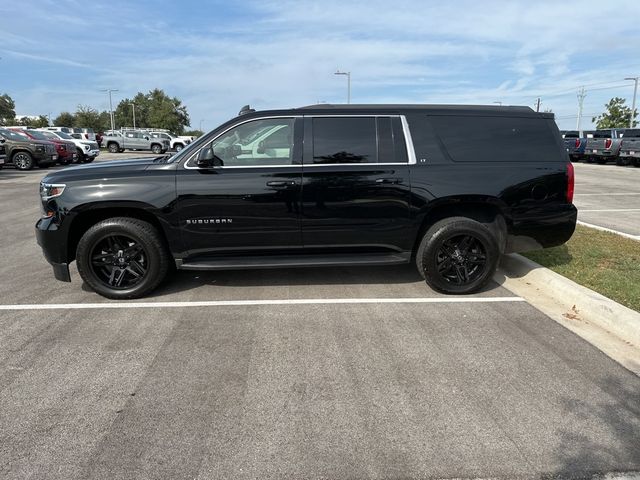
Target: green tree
x=7, y=110
x=193, y=133
x=41, y=122
x=87, y=117
x=65, y=119
x=617, y=115
x=153, y=110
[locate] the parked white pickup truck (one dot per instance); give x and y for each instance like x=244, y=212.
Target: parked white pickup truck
x=176, y=143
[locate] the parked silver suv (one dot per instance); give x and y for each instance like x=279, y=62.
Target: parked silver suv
x=133, y=140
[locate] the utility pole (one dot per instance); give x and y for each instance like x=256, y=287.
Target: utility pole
x=633, y=104
x=134, y=114
x=581, y=95
x=538, y=105
x=110, y=90
x=348, y=74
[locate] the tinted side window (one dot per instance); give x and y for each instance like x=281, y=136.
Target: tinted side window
x=255, y=143
x=497, y=139
x=344, y=140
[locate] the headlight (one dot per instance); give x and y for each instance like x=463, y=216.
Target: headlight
x=51, y=190
x=39, y=148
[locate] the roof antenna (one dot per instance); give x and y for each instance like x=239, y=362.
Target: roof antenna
x=246, y=109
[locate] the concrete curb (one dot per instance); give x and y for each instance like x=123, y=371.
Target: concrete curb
x=569, y=303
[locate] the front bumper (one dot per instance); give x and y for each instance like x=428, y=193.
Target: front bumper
x=54, y=247
x=92, y=153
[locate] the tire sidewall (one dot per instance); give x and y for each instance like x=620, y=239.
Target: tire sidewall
x=445, y=230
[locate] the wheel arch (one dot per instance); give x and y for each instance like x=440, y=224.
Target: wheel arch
x=489, y=211
x=91, y=214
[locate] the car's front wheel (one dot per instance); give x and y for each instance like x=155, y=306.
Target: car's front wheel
x=155, y=148
x=457, y=255
x=122, y=258
x=23, y=161
x=113, y=148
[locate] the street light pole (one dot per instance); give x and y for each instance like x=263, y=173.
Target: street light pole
x=200, y=125
x=633, y=104
x=109, y=90
x=134, y=114
x=348, y=75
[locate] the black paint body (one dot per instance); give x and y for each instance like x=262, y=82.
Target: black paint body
x=303, y=210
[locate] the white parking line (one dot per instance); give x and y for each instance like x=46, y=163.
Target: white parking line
x=605, y=194
x=233, y=303
x=611, y=210
x=610, y=230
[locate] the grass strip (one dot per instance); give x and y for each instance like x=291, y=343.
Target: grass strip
x=602, y=261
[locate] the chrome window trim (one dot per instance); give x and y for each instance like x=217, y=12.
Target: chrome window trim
x=408, y=140
x=405, y=128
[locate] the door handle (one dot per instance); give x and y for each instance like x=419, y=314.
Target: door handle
x=288, y=183
x=389, y=180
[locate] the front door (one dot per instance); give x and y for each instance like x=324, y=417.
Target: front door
x=356, y=189
x=250, y=203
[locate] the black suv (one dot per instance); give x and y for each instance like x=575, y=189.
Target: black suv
x=447, y=187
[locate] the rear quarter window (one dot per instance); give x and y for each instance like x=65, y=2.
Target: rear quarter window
x=498, y=139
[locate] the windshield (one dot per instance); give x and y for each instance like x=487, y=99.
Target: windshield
x=602, y=134
x=9, y=135
x=37, y=135
x=62, y=135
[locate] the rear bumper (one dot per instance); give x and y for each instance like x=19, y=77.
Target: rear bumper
x=54, y=247
x=542, y=231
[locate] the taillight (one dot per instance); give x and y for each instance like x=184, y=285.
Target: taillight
x=570, y=182
x=607, y=143
x=577, y=143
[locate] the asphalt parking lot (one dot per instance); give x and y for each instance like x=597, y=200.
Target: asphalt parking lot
x=272, y=375
x=608, y=196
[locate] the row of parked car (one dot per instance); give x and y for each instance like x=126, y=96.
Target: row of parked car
x=621, y=145
x=26, y=147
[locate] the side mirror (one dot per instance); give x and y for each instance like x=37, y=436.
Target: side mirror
x=2, y=140
x=207, y=159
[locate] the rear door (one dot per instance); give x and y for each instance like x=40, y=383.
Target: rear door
x=356, y=187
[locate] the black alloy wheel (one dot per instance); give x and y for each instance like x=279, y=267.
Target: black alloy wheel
x=457, y=255
x=461, y=260
x=122, y=258
x=119, y=261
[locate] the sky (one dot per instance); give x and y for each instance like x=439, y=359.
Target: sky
x=218, y=56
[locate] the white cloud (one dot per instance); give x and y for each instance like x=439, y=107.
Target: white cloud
x=283, y=53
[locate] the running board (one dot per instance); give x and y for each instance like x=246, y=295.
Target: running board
x=239, y=263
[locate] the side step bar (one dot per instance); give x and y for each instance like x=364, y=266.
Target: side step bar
x=250, y=262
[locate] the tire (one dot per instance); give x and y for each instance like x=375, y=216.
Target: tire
x=80, y=158
x=65, y=161
x=88, y=159
x=113, y=148
x=22, y=161
x=601, y=161
x=157, y=149
x=103, y=260
x=466, y=246
x=120, y=150
x=178, y=146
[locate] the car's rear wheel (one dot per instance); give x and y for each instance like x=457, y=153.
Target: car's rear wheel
x=457, y=255
x=122, y=258
x=22, y=161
